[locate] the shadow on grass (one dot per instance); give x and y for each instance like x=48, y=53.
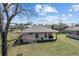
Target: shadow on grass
x=20, y=54
x=42, y=41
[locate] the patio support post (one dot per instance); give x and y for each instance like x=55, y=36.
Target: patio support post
x=56, y=36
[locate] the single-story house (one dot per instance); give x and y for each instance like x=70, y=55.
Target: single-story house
x=37, y=33
x=72, y=32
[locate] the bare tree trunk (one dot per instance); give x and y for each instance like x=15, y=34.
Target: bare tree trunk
x=4, y=40
x=4, y=43
x=3, y=37
x=4, y=32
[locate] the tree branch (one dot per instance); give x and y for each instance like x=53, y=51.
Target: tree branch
x=16, y=8
x=8, y=23
x=12, y=16
x=6, y=12
x=8, y=6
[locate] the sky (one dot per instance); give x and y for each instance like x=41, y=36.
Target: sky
x=50, y=13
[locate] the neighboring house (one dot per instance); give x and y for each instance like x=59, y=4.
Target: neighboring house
x=73, y=32
x=37, y=33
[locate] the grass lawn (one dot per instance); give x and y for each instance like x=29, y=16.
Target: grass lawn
x=62, y=47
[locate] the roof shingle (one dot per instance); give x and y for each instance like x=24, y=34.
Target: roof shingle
x=37, y=29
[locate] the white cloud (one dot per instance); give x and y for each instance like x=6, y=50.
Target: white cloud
x=66, y=15
x=64, y=18
x=52, y=19
x=75, y=7
x=70, y=15
x=50, y=9
x=63, y=15
x=38, y=8
x=45, y=9
x=48, y=20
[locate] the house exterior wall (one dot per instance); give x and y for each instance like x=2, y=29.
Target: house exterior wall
x=28, y=37
x=73, y=34
x=41, y=36
x=32, y=36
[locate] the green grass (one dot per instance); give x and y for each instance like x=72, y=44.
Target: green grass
x=62, y=47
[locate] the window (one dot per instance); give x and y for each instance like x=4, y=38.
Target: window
x=36, y=35
x=45, y=34
x=41, y=38
x=77, y=32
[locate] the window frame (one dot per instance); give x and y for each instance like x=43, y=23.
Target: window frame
x=36, y=35
x=45, y=35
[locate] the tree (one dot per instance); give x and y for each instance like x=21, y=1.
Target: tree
x=76, y=24
x=59, y=26
x=8, y=12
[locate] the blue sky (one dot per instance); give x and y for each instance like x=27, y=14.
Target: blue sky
x=50, y=13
